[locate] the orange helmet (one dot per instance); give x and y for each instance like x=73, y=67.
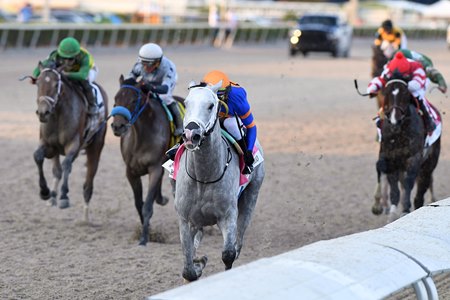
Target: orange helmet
x=215, y=76
x=400, y=63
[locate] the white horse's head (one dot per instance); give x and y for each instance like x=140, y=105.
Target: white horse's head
x=201, y=114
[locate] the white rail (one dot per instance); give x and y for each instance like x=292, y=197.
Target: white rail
x=106, y=35
x=368, y=265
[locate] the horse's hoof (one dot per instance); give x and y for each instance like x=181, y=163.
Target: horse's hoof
x=51, y=202
x=45, y=195
x=377, y=210
x=143, y=242
x=64, y=203
x=162, y=200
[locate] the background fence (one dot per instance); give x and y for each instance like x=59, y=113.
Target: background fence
x=18, y=36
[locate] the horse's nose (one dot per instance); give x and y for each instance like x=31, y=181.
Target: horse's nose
x=196, y=138
x=192, y=126
x=117, y=128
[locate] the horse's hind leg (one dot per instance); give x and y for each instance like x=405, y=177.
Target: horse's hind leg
x=71, y=154
x=154, y=177
x=159, y=198
x=423, y=183
x=93, y=157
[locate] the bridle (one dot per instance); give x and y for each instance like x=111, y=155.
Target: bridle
x=51, y=101
x=396, y=105
x=208, y=129
x=209, y=126
x=131, y=117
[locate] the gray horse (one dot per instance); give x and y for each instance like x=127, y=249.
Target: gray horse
x=207, y=183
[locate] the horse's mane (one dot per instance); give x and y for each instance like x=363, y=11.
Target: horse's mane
x=130, y=81
x=201, y=84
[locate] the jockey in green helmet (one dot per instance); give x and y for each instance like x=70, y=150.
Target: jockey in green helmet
x=79, y=67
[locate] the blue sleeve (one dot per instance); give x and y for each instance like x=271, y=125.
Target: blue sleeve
x=238, y=98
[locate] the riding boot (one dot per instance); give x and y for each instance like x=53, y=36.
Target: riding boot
x=177, y=118
x=90, y=97
x=248, y=164
x=428, y=121
x=170, y=154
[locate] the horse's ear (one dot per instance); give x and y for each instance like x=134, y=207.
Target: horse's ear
x=216, y=87
x=121, y=79
x=60, y=68
x=40, y=65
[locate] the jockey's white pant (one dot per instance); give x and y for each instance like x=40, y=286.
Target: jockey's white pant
x=92, y=74
x=233, y=128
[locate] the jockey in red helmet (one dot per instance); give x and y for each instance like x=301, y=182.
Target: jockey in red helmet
x=411, y=71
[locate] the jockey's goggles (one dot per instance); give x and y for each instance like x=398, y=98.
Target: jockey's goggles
x=221, y=93
x=150, y=63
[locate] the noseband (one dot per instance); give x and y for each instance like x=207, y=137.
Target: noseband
x=131, y=117
x=50, y=100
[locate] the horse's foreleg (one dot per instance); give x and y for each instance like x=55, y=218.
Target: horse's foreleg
x=377, y=209
x=136, y=186
x=39, y=156
x=66, y=170
x=57, y=174
x=394, y=195
x=154, y=177
x=192, y=270
x=408, y=184
x=228, y=227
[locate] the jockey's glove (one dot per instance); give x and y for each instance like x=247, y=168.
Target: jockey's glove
x=33, y=80
x=248, y=158
x=372, y=89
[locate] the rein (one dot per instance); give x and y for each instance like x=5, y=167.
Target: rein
x=229, y=157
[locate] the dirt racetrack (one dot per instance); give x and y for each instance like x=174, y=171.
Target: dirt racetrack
x=320, y=154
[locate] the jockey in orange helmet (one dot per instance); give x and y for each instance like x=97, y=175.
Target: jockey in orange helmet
x=393, y=35
x=409, y=70
x=235, y=97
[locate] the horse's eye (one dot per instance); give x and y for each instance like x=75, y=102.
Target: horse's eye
x=211, y=106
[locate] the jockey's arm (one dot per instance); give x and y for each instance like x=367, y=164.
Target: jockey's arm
x=245, y=114
x=83, y=72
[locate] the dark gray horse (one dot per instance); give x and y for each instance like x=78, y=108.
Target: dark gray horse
x=65, y=129
x=207, y=184
x=145, y=135
x=403, y=158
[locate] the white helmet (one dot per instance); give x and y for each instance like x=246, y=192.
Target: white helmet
x=150, y=53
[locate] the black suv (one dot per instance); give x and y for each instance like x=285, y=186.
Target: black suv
x=321, y=33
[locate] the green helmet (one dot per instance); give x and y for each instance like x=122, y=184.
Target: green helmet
x=68, y=47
